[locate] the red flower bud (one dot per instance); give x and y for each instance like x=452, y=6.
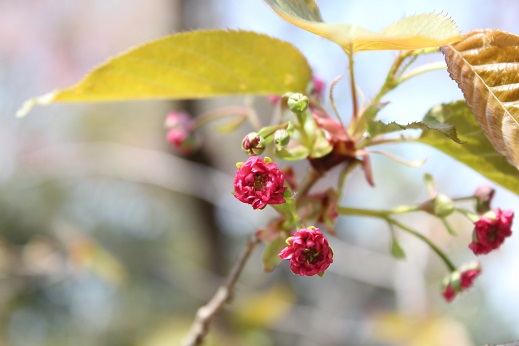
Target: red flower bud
x=253, y=144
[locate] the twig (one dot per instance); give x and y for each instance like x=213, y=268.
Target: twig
x=206, y=313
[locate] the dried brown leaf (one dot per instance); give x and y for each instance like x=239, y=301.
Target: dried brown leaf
x=486, y=66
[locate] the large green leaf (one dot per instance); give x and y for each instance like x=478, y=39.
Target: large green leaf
x=194, y=64
x=477, y=153
x=414, y=32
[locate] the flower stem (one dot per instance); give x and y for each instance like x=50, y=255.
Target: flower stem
x=426, y=240
x=468, y=214
x=348, y=168
x=353, y=86
x=233, y=111
x=378, y=213
x=385, y=214
x=422, y=69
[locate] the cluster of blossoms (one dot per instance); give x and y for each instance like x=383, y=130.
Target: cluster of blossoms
x=259, y=182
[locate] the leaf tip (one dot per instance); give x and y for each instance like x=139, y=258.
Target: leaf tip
x=29, y=104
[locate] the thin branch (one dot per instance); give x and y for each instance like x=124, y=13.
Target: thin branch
x=206, y=313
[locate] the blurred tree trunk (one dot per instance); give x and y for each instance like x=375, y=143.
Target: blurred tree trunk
x=189, y=14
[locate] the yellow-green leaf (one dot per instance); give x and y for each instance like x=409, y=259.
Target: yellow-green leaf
x=190, y=65
x=486, y=66
x=477, y=152
x=414, y=32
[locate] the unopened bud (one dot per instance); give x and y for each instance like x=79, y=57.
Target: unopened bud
x=483, y=195
x=440, y=206
x=281, y=138
x=183, y=142
x=298, y=103
x=181, y=132
x=178, y=119
x=253, y=144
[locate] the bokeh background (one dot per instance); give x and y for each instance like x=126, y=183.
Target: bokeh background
x=107, y=237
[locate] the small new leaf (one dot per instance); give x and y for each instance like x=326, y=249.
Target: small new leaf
x=429, y=123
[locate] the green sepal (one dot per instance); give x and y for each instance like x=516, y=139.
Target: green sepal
x=313, y=137
x=270, y=254
x=321, y=147
x=396, y=250
x=298, y=152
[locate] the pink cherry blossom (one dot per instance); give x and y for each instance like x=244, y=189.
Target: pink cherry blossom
x=308, y=252
x=259, y=183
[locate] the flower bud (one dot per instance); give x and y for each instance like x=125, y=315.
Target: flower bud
x=253, y=144
x=460, y=280
x=298, y=103
x=440, y=206
x=483, y=195
x=181, y=132
x=281, y=138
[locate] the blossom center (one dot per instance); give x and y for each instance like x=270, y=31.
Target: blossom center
x=259, y=182
x=311, y=255
x=491, y=236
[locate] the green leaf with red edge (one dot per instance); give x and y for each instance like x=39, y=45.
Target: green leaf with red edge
x=191, y=65
x=477, y=152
